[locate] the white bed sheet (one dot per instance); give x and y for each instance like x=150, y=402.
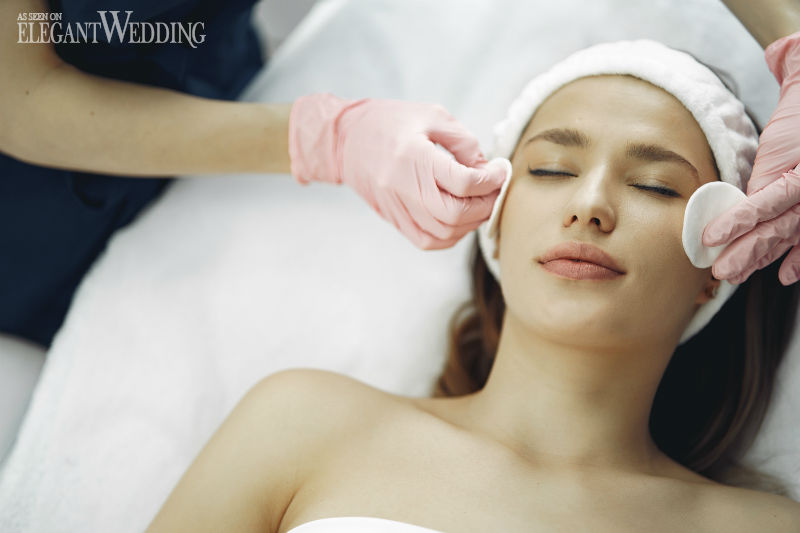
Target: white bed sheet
x=226, y=279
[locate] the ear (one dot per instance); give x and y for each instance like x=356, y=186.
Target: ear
x=709, y=291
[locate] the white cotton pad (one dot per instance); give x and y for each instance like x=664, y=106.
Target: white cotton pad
x=706, y=204
x=494, y=219
x=487, y=232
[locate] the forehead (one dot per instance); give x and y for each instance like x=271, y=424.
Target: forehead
x=604, y=92
x=622, y=109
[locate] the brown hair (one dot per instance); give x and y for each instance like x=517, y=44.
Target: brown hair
x=714, y=392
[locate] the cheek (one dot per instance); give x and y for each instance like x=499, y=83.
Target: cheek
x=658, y=232
x=527, y=215
x=665, y=265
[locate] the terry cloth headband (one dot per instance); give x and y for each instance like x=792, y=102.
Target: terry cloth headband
x=730, y=133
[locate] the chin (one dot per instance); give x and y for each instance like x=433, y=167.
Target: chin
x=575, y=329
x=573, y=323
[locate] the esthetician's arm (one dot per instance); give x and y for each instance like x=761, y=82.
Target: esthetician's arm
x=52, y=114
x=767, y=20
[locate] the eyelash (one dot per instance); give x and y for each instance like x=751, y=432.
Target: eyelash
x=664, y=191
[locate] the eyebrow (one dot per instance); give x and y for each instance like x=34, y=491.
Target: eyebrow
x=653, y=152
x=641, y=151
x=562, y=136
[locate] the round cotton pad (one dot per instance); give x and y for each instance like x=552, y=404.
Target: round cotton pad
x=487, y=232
x=494, y=219
x=706, y=204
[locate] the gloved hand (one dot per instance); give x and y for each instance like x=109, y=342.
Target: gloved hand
x=767, y=223
x=384, y=149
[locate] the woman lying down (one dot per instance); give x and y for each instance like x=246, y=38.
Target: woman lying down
x=585, y=390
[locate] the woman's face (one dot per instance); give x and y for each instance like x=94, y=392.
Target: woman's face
x=610, y=161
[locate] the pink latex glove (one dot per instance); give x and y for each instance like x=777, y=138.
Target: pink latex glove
x=384, y=149
x=767, y=223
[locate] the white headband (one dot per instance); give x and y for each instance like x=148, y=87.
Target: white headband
x=730, y=133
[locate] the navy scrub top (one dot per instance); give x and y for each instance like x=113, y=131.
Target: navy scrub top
x=54, y=223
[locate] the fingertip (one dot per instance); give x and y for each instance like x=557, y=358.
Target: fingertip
x=710, y=241
x=724, y=271
x=717, y=271
x=496, y=176
x=483, y=182
x=479, y=162
x=716, y=234
x=788, y=276
x=474, y=161
x=711, y=238
x=785, y=278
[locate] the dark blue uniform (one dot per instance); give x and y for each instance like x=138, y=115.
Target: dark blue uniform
x=54, y=223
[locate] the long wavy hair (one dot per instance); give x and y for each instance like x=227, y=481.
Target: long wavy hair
x=714, y=393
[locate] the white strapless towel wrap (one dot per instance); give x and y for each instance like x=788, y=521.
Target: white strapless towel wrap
x=722, y=117
x=359, y=524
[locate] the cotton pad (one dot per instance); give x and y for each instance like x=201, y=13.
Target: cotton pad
x=487, y=232
x=707, y=203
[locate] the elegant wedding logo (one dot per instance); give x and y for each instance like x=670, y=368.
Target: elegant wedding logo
x=37, y=28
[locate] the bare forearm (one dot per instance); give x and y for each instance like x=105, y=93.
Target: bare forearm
x=53, y=114
x=767, y=20
x=78, y=121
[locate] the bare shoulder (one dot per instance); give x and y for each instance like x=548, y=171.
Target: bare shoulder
x=273, y=441
x=315, y=385
x=739, y=509
x=322, y=404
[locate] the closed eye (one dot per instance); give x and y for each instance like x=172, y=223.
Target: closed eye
x=547, y=172
x=664, y=191
x=659, y=190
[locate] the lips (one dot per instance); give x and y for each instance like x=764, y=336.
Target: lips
x=580, y=260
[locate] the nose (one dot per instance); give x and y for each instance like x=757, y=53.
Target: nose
x=591, y=204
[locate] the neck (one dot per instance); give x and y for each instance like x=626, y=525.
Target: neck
x=566, y=405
